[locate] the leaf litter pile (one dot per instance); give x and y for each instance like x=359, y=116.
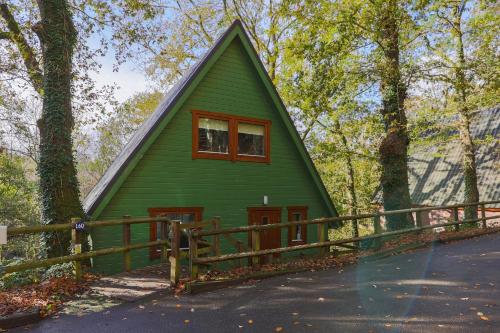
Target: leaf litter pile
x=48, y=295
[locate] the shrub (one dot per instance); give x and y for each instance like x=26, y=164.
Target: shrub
x=57, y=271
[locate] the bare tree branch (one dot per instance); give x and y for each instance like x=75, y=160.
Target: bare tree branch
x=27, y=52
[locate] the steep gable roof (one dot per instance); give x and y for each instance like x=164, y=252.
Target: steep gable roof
x=150, y=129
x=436, y=177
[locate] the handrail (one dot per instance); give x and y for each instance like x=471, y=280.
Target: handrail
x=249, y=254
x=14, y=231
x=333, y=219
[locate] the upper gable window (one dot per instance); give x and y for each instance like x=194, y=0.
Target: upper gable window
x=251, y=139
x=213, y=135
x=229, y=137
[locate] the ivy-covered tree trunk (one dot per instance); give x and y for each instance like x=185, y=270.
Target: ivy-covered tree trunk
x=394, y=147
x=351, y=185
x=471, y=192
x=58, y=181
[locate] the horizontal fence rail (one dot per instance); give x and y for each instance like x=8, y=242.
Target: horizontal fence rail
x=172, y=253
x=329, y=243
x=337, y=219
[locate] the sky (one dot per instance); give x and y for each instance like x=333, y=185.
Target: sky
x=128, y=80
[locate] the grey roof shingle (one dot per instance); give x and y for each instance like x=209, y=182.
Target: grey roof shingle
x=436, y=178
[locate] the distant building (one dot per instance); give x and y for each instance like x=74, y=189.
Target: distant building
x=436, y=176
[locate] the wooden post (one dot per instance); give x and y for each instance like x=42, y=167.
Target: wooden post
x=193, y=254
x=77, y=248
x=377, y=229
x=322, y=237
x=164, y=237
x=255, y=247
x=239, y=248
x=127, y=262
x=483, y=216
x=175, y=253
x=456, y=227
x=418, y=219
x=216, y=238
x=355, y=231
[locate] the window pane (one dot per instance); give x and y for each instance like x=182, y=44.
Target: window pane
x=213, y=135
x=297, y=232
x=251, y=139
x=188, y=218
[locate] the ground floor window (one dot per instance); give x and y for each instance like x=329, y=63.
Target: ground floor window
x=297, y=234
x=183, y=214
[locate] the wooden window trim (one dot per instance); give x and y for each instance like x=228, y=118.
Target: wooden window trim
x=292, y=210
x=233, y=122
x=215, y=116
x=161, y=211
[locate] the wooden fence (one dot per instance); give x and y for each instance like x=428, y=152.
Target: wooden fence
x=200, y=248
x=322, y=243
x=170, y=248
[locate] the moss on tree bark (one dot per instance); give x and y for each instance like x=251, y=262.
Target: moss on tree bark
x=58, y=180
x=394, y=147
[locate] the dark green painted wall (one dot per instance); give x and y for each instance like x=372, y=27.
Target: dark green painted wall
x=167, y=176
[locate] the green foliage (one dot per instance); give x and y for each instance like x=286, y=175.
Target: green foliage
x=114, y=132
x=22, y=278
x=30, y=276
x=57, y=271
x=18, y=204
x=18, y=194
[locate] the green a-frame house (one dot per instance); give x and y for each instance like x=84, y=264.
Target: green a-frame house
x=220, y=144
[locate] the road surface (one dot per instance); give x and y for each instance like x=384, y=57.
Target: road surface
x=445, y=288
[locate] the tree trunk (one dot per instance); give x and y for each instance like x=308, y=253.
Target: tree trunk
x=351, y=187
x=471, y=192
x=394, y=147
x=58, y=181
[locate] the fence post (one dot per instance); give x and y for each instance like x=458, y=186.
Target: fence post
x=239, y=248
x=376, y=230
x=418, y=219
x=164, y=237
x=216, y=240
x=77, y=248
x=126, y=242
x=456, y=227
x=175, y=254
x=193, y=255
x=483, y=216
x=322, y=237
x=255, y=247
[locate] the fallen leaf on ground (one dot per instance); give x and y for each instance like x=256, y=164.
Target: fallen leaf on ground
x=484, y=318
x=278, y=329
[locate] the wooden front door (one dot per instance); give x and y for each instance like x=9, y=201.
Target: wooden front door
x=269, y=239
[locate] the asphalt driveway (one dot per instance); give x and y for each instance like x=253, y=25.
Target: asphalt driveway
x=446, y=288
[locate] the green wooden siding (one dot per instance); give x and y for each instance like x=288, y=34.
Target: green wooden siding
x=167, y=176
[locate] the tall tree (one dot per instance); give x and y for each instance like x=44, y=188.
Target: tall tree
x=471, y=193
x=52, y=80
x=393, y=150
x=326, y=88
x=462, y=46
x=388, y=31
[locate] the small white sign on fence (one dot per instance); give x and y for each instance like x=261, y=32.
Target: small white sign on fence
x=3, y=234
